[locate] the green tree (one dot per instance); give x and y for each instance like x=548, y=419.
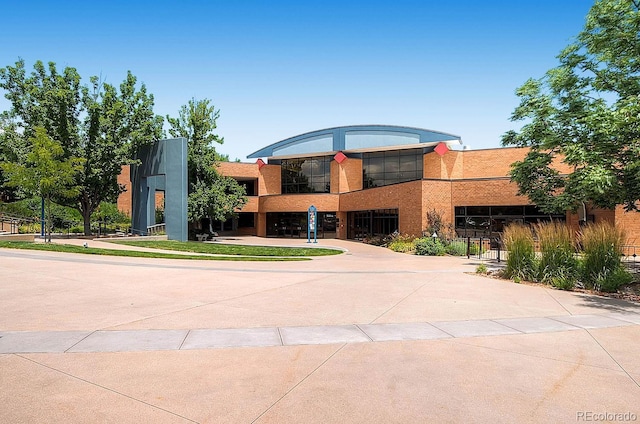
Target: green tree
x=45, y=172
x=11, y=148
x=211, y=195
x=100, y=123
x=584, y=113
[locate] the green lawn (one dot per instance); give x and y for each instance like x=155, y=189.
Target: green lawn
x=230, y=249
x=53, y=247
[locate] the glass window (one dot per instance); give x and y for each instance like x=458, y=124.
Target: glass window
x=306, y=175
x=477, y=210
x=507, y=210
x=408, y=163
x=533, y=210
x=475, y=221
x=391, y=167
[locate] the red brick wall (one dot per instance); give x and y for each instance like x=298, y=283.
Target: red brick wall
x=124, y=199
x=448, y=166
x=406, y=197
x=497, y=162
x=436, y=194
x=630, y=222
x=489, y=192
x=239, y=169
x=252, y=204
x=270, y=180
x=299, y=202
x=491, y=162
x=261, y=224
x=346, y=176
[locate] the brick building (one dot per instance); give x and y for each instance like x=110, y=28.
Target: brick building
x=374, y=179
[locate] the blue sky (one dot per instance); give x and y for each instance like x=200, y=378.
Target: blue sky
x=276, y=69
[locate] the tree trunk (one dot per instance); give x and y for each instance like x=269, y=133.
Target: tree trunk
x=47, y=222
x=86, y=216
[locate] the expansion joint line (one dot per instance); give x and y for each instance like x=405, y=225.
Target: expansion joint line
x=80, y=341
x=612, y=358
x=106, y=388
x=299, y=383
x=557, y=301
x=220, y=301
x=396, y=304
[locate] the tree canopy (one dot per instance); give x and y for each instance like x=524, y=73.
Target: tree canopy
x=45, y=172
x=211, y=195
x=585, y=113
x=99, y=123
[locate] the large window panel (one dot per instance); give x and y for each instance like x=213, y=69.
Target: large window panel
x=391, y=167
x=490, y=221
x=306, y=175
x=408, y=163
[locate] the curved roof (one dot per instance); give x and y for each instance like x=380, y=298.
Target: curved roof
x=355, y=138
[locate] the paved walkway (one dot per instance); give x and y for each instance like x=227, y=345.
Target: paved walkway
x=370, y=336
x=141, y=340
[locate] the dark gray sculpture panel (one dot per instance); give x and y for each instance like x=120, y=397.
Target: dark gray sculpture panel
x=163, y=167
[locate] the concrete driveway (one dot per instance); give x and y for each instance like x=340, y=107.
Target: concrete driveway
x=369, y=336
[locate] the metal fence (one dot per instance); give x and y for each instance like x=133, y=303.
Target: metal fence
x=11, y=223
x=630, y=258
x=486, y=248
x=491, y=248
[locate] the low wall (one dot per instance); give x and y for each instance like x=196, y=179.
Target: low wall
x=17, y=237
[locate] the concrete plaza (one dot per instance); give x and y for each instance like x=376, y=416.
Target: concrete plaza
x=367, y=336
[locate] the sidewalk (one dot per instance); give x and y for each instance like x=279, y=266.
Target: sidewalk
x=366, y=336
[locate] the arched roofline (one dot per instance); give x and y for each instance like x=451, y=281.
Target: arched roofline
x=333, y=140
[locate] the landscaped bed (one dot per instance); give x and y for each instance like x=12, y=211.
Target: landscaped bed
x=630, y=292
x=229, y=249
x=240, y=253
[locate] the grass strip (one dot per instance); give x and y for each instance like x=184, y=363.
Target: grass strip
x=66, y=248
x=229, y=249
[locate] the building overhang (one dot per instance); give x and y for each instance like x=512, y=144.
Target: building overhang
x=355, y=139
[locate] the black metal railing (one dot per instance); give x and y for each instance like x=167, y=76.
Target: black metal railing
x=630, y=258
x=486, y=248
x=492, y=248
x=11, y=223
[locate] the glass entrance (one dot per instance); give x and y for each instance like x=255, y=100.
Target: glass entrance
x=380, y=222
x=294, y=224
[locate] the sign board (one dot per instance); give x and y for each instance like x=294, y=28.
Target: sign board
x=312, y=224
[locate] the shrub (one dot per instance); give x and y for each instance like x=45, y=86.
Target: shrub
x=611, y=282
x=563, y=278
x=402, y=246
x=557, y=261
x=376, y=240
x=430, y=246
x=518, y=240
x=29, y=228
x=481, y=269
x=602, y=268
x=456, y=248
x=475, y=249
x=437, y=225
x=563, y=283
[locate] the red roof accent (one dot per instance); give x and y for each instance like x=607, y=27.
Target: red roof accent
x=340, y=157
x=441, y=149
x=260, y=163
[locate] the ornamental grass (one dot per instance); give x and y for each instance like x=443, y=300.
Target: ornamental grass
x=518, y=240
x=558, y=264
x=602, y=267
